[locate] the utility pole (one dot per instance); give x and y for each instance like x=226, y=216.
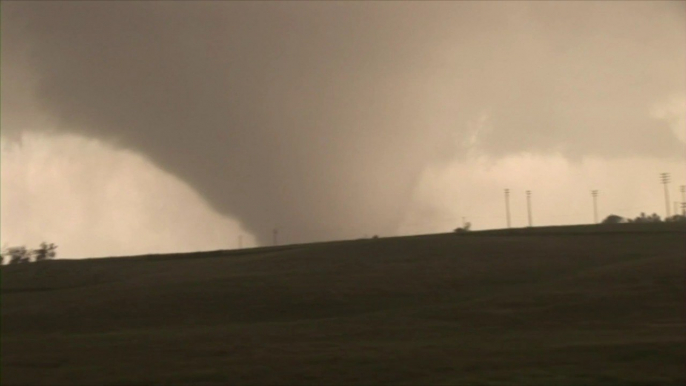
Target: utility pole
x=594, y=193
x=676, y=208
x=507, y=206
x=528, y=206
x=683, y=200
x=276, y=235
x=664, y=177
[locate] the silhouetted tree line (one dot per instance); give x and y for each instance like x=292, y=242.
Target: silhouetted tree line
x=20, y=255
x=643, y=218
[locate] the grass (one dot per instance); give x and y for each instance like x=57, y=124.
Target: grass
x=563, y=305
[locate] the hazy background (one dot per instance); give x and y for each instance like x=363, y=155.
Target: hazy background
x=132, y=127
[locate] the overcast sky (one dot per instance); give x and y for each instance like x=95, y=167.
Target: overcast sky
x=136, y=127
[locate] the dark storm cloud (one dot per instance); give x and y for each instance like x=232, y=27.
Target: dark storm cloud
x=318, y=117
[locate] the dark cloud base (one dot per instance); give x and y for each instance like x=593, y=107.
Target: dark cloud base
x=318, y=118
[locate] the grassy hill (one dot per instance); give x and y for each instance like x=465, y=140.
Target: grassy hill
x=598, y=305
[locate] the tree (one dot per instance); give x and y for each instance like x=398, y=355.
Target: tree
x=18, y=255
x=45, y=252
x=642, y=218
x=676, y=218
x=613, y=219
x=648, y=219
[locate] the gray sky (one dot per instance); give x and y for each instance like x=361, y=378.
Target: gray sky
x=330, y=120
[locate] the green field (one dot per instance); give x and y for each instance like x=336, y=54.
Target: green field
x=587, y=305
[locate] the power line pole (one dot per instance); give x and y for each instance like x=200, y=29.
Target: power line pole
x=676, y=208
x=594, y=193
x=528, y=206
x=683, y=200
x=664, y=177
x=507, y=206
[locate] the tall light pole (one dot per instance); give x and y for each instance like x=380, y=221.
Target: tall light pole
x=507, y=206
x=528, y=206
x=683, y=200
x=664, y=177
x=594, y=193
